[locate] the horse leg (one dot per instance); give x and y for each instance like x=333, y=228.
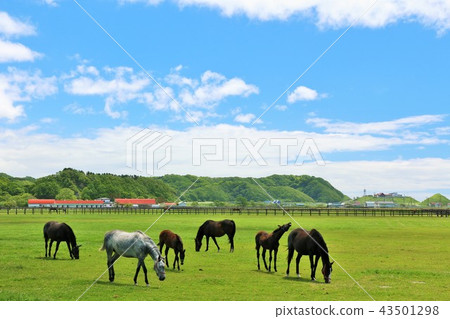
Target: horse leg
x=50, y=248
x=257, y=256
x=264, y=258
x=290, y=255
x=137, y=271
x=297, y=261
x=270, y=258
x=207, y=243
x=231, y=243
x=167, y=251
x=176, y=261
x=46, y=245
x=56, y=249
x=313, y=271
x=70, y=250
x=275, y=252
x=215, y=242
x=313, y=274
x=111, y=260
x=145, y=272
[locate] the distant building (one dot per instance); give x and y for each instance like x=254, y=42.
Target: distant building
x=370, y=204
x=385, y=204
x=37, y=203
x=135, y=202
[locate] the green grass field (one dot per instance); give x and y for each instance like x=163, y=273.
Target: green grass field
x=393, y=258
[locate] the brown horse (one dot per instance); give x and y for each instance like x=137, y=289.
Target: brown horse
x=172, y=240
x=60, y=232
x=309, y=243
x=215, y=229
x=270, y=242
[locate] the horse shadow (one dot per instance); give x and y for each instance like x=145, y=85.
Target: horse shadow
x=53, y=259
x=118, y=284
x=302, y=279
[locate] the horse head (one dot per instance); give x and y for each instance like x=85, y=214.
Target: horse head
x=326, y=271
x=76, y=252
x=198, y=244
x=159, y=268
x=182, y=255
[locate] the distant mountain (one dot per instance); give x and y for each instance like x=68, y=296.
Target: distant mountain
x=436, y=198
x=282, y=187
x=78, y=184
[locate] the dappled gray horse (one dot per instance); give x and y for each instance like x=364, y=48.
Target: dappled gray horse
x=136, y=245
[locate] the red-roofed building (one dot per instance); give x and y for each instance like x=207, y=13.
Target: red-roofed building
x=65, y=203
x=135, y=202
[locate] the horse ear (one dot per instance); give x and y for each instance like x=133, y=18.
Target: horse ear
x=332, y=263
x=184, y=250
x=79, y=246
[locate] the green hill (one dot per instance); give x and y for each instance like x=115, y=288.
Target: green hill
x=436, y=198
x=401, y=201
x=282, y=187
x=70, y=183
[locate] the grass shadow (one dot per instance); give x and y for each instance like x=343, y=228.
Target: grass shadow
x=302, y=279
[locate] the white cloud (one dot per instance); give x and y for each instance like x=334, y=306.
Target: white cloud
x=385, y=128
x=336, y=13
x=52, y=3
x=74, y=108
x=121, y=85
x=213, y=88
x=10, y=26
x=18, y=86
x=418, y=176
x=147, y=2
x=280, y=107
x=14, y=51
x=244, y=118
x=302, y=93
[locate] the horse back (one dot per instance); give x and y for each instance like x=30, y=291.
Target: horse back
x=261, y=236
x=170, y=239
x=58, y=231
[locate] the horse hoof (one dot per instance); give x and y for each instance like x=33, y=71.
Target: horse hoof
x=135, y=284
x=298, y=275
x=148, y=285
x=313, y=279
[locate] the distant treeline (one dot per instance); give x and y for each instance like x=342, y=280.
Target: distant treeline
x=74, y=184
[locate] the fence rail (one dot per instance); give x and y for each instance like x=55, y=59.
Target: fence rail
x=295, y=211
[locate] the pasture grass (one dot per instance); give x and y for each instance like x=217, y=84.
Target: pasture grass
x=392, y=258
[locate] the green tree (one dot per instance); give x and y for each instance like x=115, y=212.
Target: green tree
x=46, y=189
x=66, y=193
x=241, y=201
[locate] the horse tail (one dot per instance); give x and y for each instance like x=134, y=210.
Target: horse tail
x=233, y=230
x=291, y=238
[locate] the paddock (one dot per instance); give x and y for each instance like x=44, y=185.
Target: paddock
x=393, y=258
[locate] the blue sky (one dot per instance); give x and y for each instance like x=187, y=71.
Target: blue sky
x=375, y=104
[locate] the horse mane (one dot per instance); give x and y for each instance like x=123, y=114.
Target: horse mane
x=321, y=242
x=71, y=235
x=277, y=230
x=201, y=229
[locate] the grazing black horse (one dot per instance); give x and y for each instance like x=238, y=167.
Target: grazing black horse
x=270, y=242
x=309, y=243
x=215, y=229
x=172, y=240
x=60, y=232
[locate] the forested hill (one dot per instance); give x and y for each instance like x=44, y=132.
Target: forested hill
x=73, y=184
x=283, y=187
